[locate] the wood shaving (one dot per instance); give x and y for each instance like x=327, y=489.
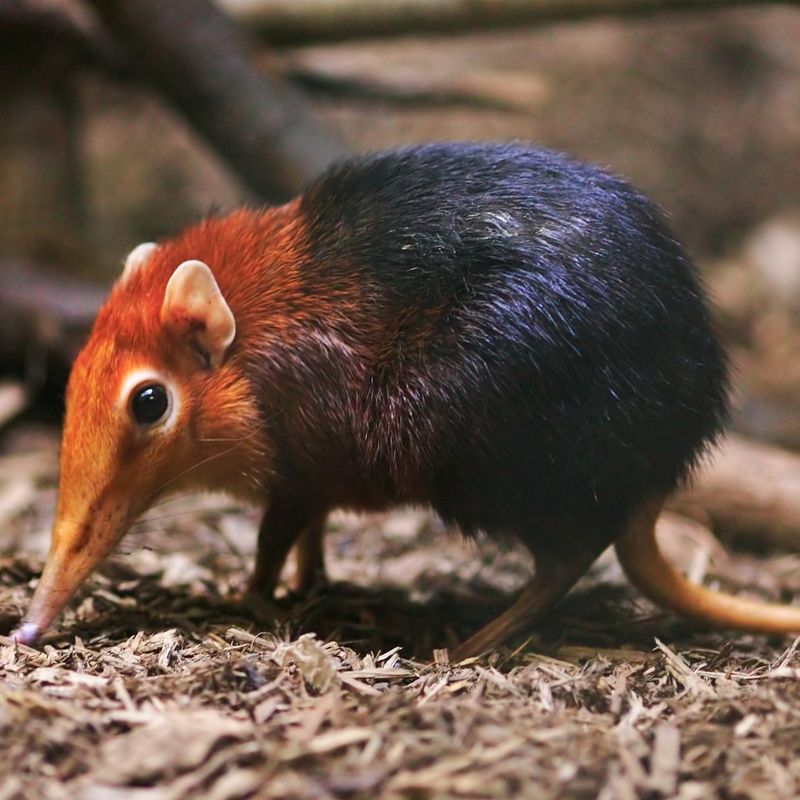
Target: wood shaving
x=158, y=685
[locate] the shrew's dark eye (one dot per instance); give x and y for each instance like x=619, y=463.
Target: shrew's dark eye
x=149, y=403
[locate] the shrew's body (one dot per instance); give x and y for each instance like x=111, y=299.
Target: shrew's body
x=501, y=333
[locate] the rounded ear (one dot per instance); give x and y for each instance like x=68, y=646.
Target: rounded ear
x=195, y=311
x=137, y=258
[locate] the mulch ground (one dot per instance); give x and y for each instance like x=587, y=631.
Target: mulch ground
x=158, y=684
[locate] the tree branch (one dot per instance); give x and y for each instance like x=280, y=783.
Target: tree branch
x=195, y=56
x=50, y=41
x=287, y=22
x=748, y=490
x=45, y=317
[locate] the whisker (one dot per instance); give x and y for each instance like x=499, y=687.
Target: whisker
x=198, y=464
x=225, y=439
x=158, y=498
x=171, y=515
x=236, y=443
x=246, y=438
x=160, y=502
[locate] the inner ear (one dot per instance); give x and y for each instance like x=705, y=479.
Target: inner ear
x=195, y=311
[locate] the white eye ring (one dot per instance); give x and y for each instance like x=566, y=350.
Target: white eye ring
x=147, y=413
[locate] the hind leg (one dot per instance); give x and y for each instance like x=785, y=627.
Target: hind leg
x=309, y=558
x=557, y=571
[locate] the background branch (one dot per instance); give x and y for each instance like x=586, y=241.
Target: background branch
x=194, y=55
x=45, y=317
x=50, y=40
x=304, y=21
x=749, y=491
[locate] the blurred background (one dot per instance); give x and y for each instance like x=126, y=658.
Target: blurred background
x=102, y=145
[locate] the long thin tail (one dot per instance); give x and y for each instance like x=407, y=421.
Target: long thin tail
x=656, y=578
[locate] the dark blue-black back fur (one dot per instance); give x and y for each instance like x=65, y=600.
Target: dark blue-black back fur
x=544, y=349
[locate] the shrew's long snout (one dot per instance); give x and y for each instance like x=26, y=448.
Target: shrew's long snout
x=76, y=549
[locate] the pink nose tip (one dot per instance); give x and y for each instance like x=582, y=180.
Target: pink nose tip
x=27, y=633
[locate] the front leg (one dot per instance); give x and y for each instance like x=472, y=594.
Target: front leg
x=285, y=522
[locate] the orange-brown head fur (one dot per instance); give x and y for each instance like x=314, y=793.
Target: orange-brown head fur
x=113, y=469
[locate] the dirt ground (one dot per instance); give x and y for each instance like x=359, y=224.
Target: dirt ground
x=158, y=684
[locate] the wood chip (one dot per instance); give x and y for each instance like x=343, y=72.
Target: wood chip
x=161, y=691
